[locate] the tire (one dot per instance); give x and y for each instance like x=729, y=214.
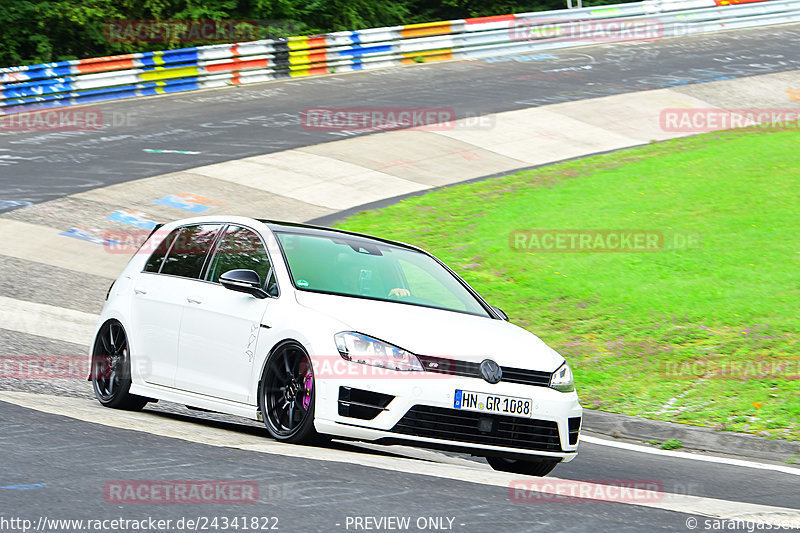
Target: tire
x=111, y=369
x=518, y=466
x=287, y=396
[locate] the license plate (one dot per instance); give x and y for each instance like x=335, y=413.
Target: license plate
x=492, y=403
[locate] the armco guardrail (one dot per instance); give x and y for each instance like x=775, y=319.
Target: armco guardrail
x=65, y=83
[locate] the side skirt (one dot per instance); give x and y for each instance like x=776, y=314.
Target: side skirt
x=210, y=403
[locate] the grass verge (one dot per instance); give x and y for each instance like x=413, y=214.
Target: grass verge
x=704, y=331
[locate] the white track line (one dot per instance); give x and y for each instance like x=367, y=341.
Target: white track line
x=692, y=456
x=47, y=321
x=158, y=424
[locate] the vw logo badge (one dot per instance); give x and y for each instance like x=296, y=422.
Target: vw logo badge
x=491, y=371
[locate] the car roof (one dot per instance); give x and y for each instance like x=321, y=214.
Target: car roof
x=310, y=229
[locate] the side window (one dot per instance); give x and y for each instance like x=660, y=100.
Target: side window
x=242, y=248
x=189, y=251
x=154, y=262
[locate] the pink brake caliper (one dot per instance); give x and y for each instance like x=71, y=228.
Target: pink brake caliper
x=308, y=382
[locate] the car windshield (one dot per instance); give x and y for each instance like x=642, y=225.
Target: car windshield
x=365, y=268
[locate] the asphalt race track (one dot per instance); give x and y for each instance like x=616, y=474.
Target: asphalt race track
x=76, y=459
x=248, y=120
x=58, y=459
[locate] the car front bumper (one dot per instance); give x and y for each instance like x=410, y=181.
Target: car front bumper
x=421, y=410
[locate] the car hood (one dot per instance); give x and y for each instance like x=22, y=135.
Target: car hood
x=435, y=332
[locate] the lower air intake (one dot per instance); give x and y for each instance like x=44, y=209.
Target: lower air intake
x=480, y=428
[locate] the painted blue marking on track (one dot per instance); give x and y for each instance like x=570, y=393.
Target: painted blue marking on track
x=93, y=236
x=519, y=58
x=176, y=201
x=135, y=218
x=32, y=486
x=8, y=204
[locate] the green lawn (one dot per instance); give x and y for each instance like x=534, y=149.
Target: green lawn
x=650, y=334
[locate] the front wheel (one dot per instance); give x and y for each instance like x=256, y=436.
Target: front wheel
x=287, y=395
x=518, y=466
x=111, y=369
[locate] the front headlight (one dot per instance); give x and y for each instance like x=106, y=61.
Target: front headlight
x=359, y=348
x=562, y=379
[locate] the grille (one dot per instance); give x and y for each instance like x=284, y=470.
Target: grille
x=526, y=377
x=443, y=365
x=479, y=428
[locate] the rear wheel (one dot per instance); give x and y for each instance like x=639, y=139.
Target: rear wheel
x=518, y=466
x=111, y=369
x=287, y=395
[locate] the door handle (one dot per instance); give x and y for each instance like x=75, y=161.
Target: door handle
x=139, y=290
x=194, y=299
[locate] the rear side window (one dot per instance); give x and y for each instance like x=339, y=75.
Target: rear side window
x=190, y=247
x=154, y=262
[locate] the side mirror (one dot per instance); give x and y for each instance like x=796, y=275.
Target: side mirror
x=500, y=312
x=242, y=280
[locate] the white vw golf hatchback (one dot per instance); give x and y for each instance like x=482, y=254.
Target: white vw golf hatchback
x=320, y=333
